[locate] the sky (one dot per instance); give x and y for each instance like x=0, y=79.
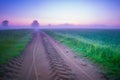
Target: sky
x=55, y=12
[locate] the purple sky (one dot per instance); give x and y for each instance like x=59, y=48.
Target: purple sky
x=77, y=12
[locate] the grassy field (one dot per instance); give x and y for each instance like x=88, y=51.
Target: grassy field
x=100, y=46
x=12, y=43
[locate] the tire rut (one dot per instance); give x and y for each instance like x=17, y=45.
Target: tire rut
x=12, y=69
x=59, y=70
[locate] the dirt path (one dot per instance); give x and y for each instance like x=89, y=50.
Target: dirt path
x=47, y=59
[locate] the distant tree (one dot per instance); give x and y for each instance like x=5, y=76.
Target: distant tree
x=35, y=23
x=5, y=23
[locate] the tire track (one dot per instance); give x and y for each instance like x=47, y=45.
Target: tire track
x=13, y=68
x=33, y=65
x=79, y=68
x=83, y=72
x=58, y=67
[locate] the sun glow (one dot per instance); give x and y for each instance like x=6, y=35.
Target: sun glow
x=61, y=12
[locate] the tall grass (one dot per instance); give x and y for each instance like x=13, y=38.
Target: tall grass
x=12, y=42
x=107, y=57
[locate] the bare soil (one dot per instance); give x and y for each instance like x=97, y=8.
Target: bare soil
x=46, y=59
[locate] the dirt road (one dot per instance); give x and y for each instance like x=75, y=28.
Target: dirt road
x=47, y=59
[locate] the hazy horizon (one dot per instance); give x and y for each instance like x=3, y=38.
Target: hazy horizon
x=61, y=12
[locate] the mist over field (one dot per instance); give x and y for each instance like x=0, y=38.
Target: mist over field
x=59, y=39
x=62, y=27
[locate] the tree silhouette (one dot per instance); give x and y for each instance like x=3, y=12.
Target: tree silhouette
x=5, y=23
x=35, y=23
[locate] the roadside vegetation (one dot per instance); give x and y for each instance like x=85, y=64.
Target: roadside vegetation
x=12, y=43
x=100, y=46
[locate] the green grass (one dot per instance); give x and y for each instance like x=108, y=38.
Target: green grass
x=105, y=55
x=12, y=42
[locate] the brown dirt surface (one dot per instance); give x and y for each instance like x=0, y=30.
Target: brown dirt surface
x=46, y=59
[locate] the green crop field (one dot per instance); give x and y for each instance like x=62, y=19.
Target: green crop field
x=12, y=43
x=100, y=46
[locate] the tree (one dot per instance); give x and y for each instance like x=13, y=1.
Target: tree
x=5, y=23
x=35, y=23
